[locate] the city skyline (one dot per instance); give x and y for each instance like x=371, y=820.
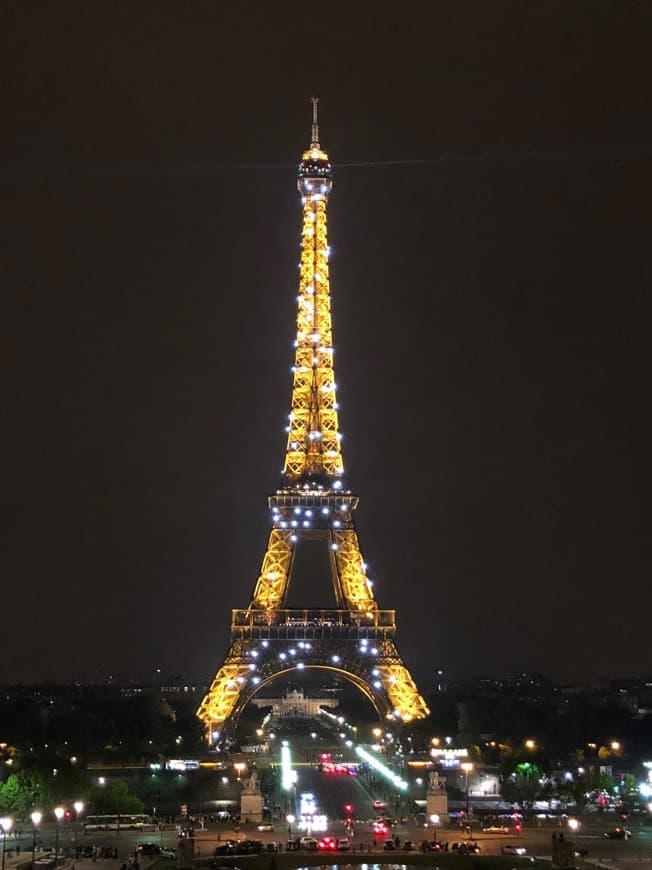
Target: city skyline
x=490, y=321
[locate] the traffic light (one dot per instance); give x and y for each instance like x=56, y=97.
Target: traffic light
x=348, y=809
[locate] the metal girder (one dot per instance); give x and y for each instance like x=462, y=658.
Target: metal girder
x=272, y=584
x=219, y=702
x=353, y=581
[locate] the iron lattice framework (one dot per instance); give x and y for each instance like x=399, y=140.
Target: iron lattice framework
x=357, y=640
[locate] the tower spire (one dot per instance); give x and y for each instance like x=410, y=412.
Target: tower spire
x=313, y=452
x=314, y=140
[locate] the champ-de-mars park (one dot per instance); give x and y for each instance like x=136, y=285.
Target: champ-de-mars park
x=200, y=668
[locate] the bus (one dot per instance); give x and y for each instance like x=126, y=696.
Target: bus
x=126, y=822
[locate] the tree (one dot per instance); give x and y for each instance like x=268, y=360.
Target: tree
x=575, y=790
x=523, y=786
x=16, y=796
x=114, y=798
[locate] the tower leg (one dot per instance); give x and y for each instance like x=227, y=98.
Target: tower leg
x=272, y=583
x=221, y=698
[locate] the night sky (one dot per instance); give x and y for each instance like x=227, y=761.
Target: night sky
x=491, y=313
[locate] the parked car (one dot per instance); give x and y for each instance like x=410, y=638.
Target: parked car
x=390, y=846
x=496, y=829
x=343, y=844
x=168, y=853
x=430, y=846
x=509, y=849
x=225, y=847
x=618, y=834
x=466, y=848
x=308, y=844
x=148, y=848
x=408, y=846
x=249, y=847
x=266, y=826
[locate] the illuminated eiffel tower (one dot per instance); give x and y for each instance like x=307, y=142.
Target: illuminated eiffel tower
x=355, y=639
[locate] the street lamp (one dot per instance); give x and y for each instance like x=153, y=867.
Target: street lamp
x=467, y=767
x=59, y=813
x=36, y=817
x=290, y=820
x=6, y=824
x=434, y=818
x=78, y=806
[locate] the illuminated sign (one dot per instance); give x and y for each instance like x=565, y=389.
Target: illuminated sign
x=449, y=757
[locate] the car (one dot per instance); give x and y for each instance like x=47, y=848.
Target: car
x=380, y=828
x=466, y=848
x=408, y=846
x=308, y=844
x=431, y=846
x=343, y=844
x=618, y=834
x=249, y=847
x=390, y=846
x=147, y=849
x=509, y=849
x=327, y=844
x=496, y=829
x=379, y=805
x=168, y=853
x=266, y=826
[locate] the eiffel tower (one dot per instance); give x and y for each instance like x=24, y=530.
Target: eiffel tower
x=355, y=639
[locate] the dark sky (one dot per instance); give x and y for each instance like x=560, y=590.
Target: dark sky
x=492, y=322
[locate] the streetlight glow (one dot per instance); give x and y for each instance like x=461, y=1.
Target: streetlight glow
x=35, y=816
x=6, y=823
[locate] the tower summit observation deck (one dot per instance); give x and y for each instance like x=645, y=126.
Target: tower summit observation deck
x=356, y=639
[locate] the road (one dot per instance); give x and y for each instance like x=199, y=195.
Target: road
x=334, y=791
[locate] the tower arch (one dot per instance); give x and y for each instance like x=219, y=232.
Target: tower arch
x=378, y=702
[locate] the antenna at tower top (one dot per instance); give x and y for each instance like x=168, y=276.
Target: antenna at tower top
x=315, y=125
